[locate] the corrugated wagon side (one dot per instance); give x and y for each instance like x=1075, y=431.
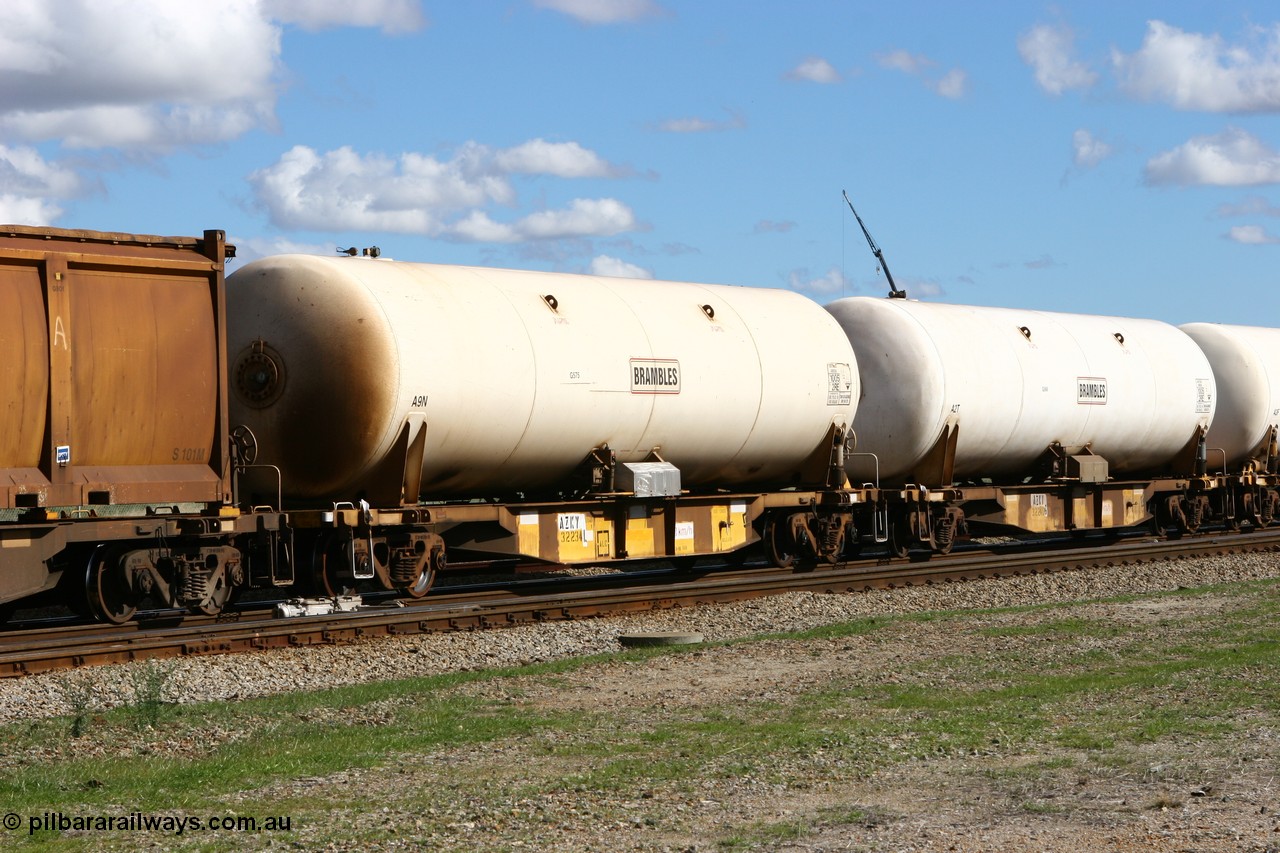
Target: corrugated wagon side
x=113, y=382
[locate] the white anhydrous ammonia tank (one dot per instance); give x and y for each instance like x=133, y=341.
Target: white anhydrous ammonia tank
x=517, y=376
x=1246, y=365
x=1014, y=382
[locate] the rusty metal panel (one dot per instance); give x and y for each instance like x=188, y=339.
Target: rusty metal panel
x=117, y=393
x=24, y=369
x=143, y=350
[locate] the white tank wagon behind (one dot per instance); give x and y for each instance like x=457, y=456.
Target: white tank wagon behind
x=1037, y=421
x=1246, y=366
x=353, y=371
x=1243, y=440
x=1010, y=389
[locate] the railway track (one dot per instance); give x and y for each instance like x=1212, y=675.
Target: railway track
x=170, y=634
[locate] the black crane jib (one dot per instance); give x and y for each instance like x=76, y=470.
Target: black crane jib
x=894, y=292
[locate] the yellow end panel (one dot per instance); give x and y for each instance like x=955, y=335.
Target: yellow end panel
x=639, y=537
x=729, y=526
x=686, y=531
x=1030, y=512
x=1012, y=509
x=738, y=516
x=576, y=541
x=1135, y=506
x=528, y=542
x=1082, y=513
x=1108, y=511
x=604, y=538
x=1038, y=513
x=582, y=537
x=719, y=526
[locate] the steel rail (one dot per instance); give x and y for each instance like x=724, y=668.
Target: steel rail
x=576, y=598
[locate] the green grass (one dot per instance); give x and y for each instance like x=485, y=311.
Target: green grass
x=1107, y=704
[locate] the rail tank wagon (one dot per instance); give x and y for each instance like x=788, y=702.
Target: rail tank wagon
x=954, y=392
x=372, y=378
x=1246, y=366
x=1243, y=439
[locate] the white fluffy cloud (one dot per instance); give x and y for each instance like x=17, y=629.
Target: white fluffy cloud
x=609, y=265
x=145, y=77
x=1197, y=72
x=814, y=69
x=1252, y=235
x=560, y=159
x=603, y=11
x=1048, y=50
x=770, y=226
x=31, y=187
x=154, y=75
x=907, y=63
x=342, y=190
x=602, y=217
x=391, y=16
x=1087, y=150
x=135, y=73
x=953, y=84
x=694, y=124
x=823, y=288
x=24, y=210
x=252, y=248
x=1254, y=205
x=1233, y=158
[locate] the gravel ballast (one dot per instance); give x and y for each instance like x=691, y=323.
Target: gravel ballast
x=230, y=677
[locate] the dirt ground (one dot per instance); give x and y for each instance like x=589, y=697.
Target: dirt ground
x=1166, y=795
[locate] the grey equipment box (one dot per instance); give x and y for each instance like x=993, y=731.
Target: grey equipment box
x=648, y=479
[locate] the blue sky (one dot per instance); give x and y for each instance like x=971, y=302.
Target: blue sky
x=1100, y=157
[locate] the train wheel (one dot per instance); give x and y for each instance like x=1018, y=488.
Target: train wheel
x=1268, y=509
x=945, y=529
x=330, y=566
x=1171, y=519
x=109, y=595
x=431, y=566
x=1190, y=516
x=422, y=585
x=779, y=544
x=217, y=598
x=900, y=536
x=945, y=545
